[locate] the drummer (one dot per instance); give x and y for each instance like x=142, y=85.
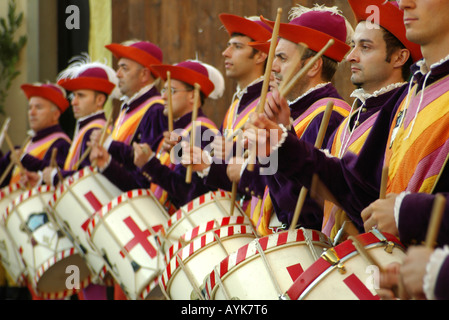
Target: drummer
x=378, y=79
x=91, y=84
x=161, y=171
x=141, y=116
x=246, y=66
x=46, y=104
x=306, y=105
x=415, y=158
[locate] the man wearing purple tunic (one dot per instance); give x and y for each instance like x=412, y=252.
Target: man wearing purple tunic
x=307, y=102
x=157, y=168
x=46, y=103
x=91, y=84
x=246, y=66
x=141, y=116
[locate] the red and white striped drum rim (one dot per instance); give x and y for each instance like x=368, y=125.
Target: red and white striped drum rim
x=66, y=293
x=252, y=249
x=6, y=191
x=25, y=196
x=195, y=204
x=97, y=216
x=197, y=245
x=68, y=182
x=200, y=231
x=343, y=250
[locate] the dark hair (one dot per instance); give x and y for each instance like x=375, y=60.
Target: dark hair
x=255, y=51
x=393, y=44
x=189, y=87
x=329, y=65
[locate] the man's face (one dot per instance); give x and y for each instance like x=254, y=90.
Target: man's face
x=129, y=75
x=369, y=67
x=84, y=103
x=42, y=114
x=182, y=98
x=425, y=20
x=239, y=57
x=287, y=56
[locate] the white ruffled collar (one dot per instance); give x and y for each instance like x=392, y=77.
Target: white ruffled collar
x=319, y=86
x=362, y=95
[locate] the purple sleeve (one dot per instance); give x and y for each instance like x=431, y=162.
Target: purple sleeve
x=414, y=219
x=442, y=284
x=150, y=131
x=173, y=180
x=33, y=164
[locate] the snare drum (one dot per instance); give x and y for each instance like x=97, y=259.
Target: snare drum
x=341, y=273
x=73, y=204
x=265, y=268
x=46, y=252
x=9, y=255
x=183, y=276
x=125, y=233
x=208, y=207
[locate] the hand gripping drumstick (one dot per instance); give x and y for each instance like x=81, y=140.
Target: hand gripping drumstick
x=12, y=163
x=318, y=143
x=86, y=153
x=169, y=103
x=266, y=81
x=14, y=157
x=192, y=133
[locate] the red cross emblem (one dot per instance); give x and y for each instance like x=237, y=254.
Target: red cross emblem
x=139, y=237
x=359, y=289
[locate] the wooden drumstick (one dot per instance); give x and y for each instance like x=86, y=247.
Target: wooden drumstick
x=365, y=253
x=15, y=159
x=5, y=128
x=285, y=90
x=266, y=81
x=103, y=136
x=54, y=164
x=12, y=163
x=318, y=143
x=435, y=221
x=169, y=102
x=383, y=184
x=192, y=134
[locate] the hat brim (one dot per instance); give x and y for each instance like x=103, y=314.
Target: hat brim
x=185, y=75
x=143, y=58
x=262, y=46
x=236, y=24
x=314, y=39
x=85, y=83
x=390, y=18
x=46, y=93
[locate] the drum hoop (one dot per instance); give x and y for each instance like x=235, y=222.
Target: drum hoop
x=149, y=287
x=181, y=214
x=113, y=204
x=52, y=261
x=187, y=252
x=6, y=191
x=69, y=182
x=211, y=226
x=250, y=252
x=66, y=293
x=345, y=251
x=25, y=196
